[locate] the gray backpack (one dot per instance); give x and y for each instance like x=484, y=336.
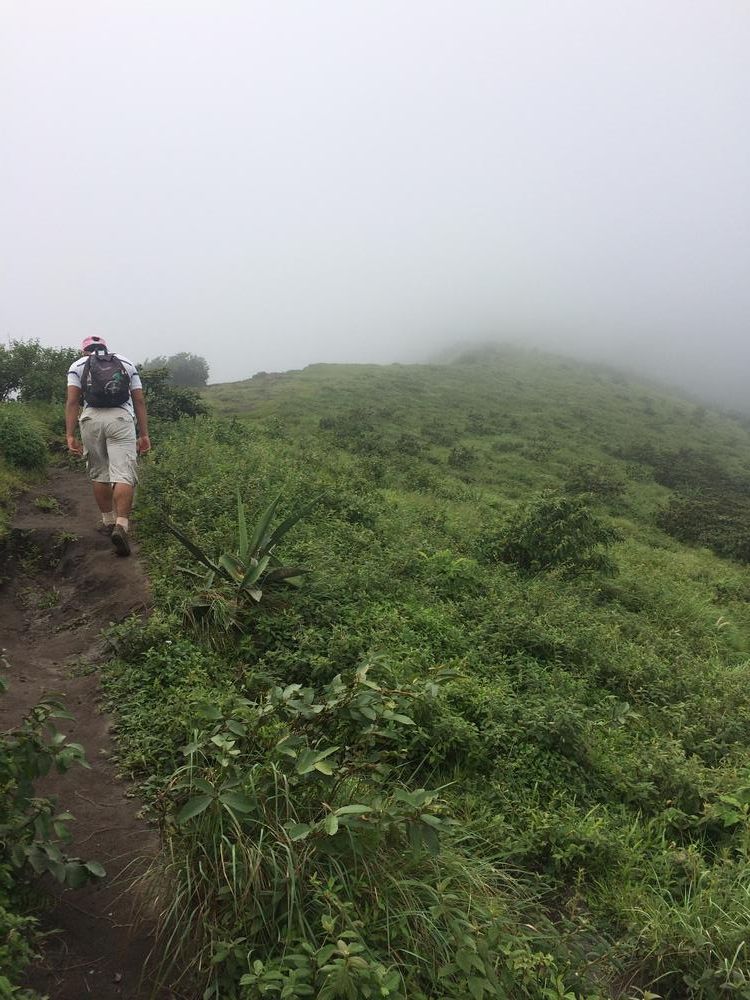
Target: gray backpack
x=105, y=381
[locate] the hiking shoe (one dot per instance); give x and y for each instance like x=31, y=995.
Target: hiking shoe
x=120, y=540
x=105, y=529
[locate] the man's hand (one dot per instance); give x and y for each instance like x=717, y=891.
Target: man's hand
x=74, y=445
x=144, y=444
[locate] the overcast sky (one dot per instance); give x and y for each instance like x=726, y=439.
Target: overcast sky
x=274, y=184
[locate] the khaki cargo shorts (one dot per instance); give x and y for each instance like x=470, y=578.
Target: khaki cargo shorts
x=109, y=444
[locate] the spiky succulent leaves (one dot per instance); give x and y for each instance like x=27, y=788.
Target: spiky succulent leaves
x=253, y=573
x=235, y=566
x=260, y=536
x=198, y=553
x=285, y=574
x=242, y=528
x=278, y=533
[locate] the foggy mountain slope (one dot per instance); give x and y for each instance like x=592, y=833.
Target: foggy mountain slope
x=511, y=421
x=500, y=402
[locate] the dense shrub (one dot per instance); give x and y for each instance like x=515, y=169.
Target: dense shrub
x=21, y=443
x=462, y=457
x=34, y=372
x=185, y=370
x=555, y=531
x=166, y=401
x=598, y=481
x=710, y=505
x=718, y=520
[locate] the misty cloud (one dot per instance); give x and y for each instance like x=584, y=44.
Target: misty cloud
x=278, y=184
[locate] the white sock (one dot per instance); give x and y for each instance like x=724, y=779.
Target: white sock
x=108, y=518
x=122, y=522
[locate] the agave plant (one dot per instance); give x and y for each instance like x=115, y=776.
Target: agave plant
x=253, y=566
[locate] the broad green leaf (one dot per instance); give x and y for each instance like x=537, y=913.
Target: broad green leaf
x=431, y=820
x=476, y=987
x=464, y=960
x=309, y=760
x=95, y=869
x=193, y=807
x=395, y=717
x=237, y=801
x=75, y=875
x=298, y=831
x=207, y=711
x=355, y=809
x=331, y=824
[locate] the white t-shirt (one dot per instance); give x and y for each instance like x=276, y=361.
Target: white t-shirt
x=75, y=373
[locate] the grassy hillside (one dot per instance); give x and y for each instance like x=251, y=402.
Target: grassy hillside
x=539, y=787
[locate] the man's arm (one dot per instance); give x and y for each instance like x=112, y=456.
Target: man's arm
x=72, y=409
x=139, y=404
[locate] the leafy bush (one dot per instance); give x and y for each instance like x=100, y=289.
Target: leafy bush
x=719, y=520
x=32, y=832
x=166, y=401
x=555, y=531
x=598, y=481
x=34, y=372
x=184, y=369
x=462, y=457
x=21, y=444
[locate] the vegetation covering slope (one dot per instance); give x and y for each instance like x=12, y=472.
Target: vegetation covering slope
x=497, y=744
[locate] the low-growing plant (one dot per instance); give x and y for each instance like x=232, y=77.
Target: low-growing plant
x=236, y=580
x=462, y=457
x=49, y=504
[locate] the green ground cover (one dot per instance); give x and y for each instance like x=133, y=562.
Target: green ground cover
x=33, y=833
x=540, y=787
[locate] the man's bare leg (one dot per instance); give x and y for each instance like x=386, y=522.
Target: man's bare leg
x=123, y=498
x=103, y=497
x=123, y=501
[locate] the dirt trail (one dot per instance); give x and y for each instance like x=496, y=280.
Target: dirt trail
x=61, y=584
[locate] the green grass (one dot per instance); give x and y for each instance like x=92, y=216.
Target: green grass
x=592, y=739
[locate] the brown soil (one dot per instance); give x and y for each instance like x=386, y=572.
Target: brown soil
x=62, y=583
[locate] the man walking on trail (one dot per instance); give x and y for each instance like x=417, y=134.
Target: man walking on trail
x=109, y=389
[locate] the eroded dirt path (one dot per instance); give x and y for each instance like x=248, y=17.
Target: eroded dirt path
x=61, y=584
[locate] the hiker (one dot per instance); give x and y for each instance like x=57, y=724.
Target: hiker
x=109, y=389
